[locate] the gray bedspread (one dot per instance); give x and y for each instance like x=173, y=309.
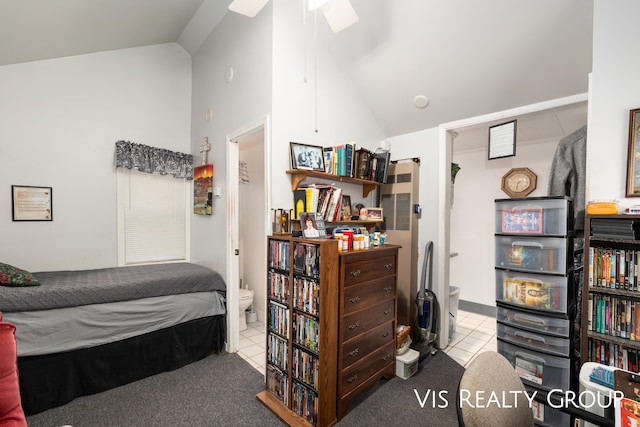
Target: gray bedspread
x=75, y=288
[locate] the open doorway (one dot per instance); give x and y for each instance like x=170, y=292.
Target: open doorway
x=248, y=208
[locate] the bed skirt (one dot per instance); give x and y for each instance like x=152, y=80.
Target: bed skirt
x=53, y=380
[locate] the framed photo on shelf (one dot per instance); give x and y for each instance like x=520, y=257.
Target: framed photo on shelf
x=312, y=225
x=31, y=203
x=633, y=155
x=345, y=208
x=304, y=156
x=374, y=214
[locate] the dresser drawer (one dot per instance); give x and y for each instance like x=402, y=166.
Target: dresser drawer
x=362, y=296
x=359, y=372
x=363, y=345
x=369, y=269
x=361, y=321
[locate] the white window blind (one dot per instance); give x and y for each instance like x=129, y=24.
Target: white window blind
x=152, y=217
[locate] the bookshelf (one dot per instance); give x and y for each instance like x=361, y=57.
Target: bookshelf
x=298, y=175
x=330, y=327
x=611, y=324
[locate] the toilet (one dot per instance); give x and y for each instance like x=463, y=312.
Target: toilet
x=245, y=300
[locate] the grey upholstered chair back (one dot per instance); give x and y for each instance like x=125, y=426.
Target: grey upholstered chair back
x=488, y=372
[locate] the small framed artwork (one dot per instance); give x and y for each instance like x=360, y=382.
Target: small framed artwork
x=633, y=155
x=345, y=208
x=374, y=214
x=203, y=190
x=502, y=140
x=31, y=203
x=312, y=225
x=305, y=156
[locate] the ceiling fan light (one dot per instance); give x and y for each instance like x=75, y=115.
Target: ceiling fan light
x=248, y=8
x=314, y=4
x=340, y=14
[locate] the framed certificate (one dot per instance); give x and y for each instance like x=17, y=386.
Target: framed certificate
x=31, y=203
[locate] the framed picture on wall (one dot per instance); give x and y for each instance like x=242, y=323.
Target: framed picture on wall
x=31, y=203
x=633, y=155
x=502, y=140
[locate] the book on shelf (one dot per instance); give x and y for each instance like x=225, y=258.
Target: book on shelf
x=382, y=169
x=363, y=163
x=328, y=159
x=299, y=202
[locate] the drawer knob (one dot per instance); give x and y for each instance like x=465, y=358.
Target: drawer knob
x=388, y=288
x=354, y=352
x=355, y=300
x=388, y=266
x=387, y=357
x=387, y=311
x=386, y=334
x=354, y=326
x=352, y=379
x=356, y=273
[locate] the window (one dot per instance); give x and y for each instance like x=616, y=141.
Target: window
x=152, y=217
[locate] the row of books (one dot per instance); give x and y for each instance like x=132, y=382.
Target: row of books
x=304, y=402
x=613, y=268
x=305, y=367
x=278, y=286
x=306, y=295
x=279, y=254
x=277, y=383
x=612, y=354
x=611, y=315
x=278, y=318
x=346, y=160
x=277, y=351
x=306, y=332
x=323, y=199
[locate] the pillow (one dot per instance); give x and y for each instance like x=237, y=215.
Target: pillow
x=14, y=276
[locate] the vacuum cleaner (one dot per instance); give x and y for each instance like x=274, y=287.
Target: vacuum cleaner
x=426, y=322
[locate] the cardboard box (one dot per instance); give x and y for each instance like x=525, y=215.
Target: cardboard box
x=407, y=364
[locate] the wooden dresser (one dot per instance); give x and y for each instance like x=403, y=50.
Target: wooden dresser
x=366, y=321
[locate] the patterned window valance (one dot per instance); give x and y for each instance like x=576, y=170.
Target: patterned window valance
x=152, y=159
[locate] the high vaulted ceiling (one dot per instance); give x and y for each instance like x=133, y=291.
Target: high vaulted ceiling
x=468, y=57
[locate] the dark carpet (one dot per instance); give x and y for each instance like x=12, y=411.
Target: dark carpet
x=220, y=391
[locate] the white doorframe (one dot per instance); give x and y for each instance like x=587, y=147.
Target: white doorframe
x=233, y=233
x=445, y=149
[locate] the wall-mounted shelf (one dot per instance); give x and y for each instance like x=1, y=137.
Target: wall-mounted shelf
x=297, y=175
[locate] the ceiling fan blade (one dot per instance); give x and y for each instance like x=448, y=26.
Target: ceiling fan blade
x=248, y=8
x=340, y=14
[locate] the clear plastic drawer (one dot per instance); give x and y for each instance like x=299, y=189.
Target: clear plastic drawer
x=549, y=416
x=535, y=291
x=548, y=216
x=543, y=254
x=534, y=341
x=533, y=322
x=537, y=369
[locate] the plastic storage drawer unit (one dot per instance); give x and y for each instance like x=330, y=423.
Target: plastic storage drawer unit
x=537, y=369
x=534, y=322
x=534, y=254
x=547, y=216
x=549, y=416
x=534, y=341
x=534, y=291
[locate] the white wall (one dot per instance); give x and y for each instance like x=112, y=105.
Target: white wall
x=60, y=120
x=477, y=185
x=614, y=91
x=341, y=114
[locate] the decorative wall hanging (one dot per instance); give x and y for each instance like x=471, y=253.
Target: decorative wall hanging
x=203, y=190
x=31, y=203
x=633, y=155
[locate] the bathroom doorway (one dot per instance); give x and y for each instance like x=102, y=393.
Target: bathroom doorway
x=248, y=171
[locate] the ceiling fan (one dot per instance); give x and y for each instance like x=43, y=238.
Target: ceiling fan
x=339, y=13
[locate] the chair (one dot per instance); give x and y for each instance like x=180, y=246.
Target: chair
x=491, y=372
x=11, y=413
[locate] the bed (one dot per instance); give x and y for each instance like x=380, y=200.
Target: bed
x=82, y=332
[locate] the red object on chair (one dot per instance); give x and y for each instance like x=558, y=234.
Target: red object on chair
x=11, y=413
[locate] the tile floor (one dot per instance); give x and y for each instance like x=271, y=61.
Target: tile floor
x=474, y=334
